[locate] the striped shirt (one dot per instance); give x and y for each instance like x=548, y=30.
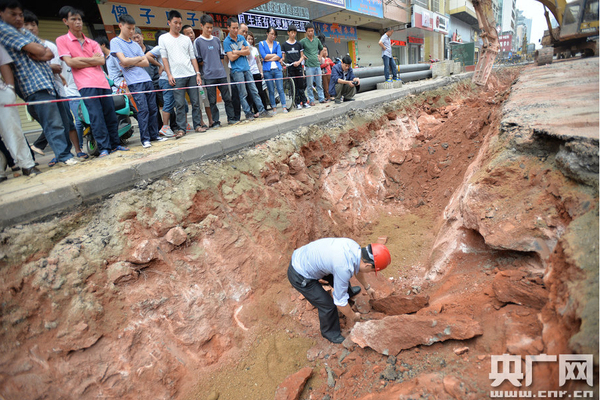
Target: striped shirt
x=31, y=76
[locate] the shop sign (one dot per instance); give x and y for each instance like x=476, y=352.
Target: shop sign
x=334, y=3
x=505, y=42
x=145, y=15
x=398, y=42
x=415, y=40
x=264, y=21
x=336, y=32
x=283, y=10
x=441, y=24
x=373, y=8
x=422, y=18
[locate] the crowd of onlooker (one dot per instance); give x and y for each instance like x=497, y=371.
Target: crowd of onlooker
x=157, y=79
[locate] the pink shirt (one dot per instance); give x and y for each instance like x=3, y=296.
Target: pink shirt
x=89, y=77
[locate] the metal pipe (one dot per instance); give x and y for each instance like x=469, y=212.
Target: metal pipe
x=370, y=83
x=378, y=71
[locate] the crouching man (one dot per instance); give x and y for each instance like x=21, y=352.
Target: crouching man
x=343, y=83
x=335, y=260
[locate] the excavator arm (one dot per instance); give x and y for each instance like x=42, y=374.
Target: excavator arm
x=489, y=37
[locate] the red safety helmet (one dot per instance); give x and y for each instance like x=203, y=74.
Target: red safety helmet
x=381, y=256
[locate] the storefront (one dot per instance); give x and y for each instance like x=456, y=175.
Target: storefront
x=339, y=39
x=278, y=15
x=426, y=36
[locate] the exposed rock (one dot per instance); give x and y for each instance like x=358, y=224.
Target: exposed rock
x=176, y=236
x=514, y=287
x=143, y=251
x=455, y=387
x=292, y=386
x=460, y=350
x=397, y=157
x=121, y=272
x=399, y=304
x=393, y=173
x=78, y=337
x=392, y=334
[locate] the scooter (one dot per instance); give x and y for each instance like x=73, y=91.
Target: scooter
x=125, y=127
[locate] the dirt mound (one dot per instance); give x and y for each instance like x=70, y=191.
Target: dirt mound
x=177, y=289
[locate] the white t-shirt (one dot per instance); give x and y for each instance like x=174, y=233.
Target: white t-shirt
x=179, y=52
x=4, y=59
x=71, y=88
x=58, y=85
x=252, y=60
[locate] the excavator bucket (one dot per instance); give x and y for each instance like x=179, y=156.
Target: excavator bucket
x=484, y=67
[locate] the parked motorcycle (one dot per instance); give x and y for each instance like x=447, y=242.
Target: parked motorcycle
x=125, y=127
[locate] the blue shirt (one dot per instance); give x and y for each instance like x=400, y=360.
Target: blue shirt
x=241, y=64
x=129, y=49
x=339, y=257
x=31, y=76
x=338, y=73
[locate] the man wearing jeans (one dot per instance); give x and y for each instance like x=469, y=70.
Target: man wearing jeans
x=85, y=58
x=386, y=54
x=180, y=63
x=34, y=76
x=236, y=48
x=312, y=47
x=210, y=55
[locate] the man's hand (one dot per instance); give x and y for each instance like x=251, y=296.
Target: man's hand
x=371, y=292
x=171, y=79
x=296, y=63
x=198, y=79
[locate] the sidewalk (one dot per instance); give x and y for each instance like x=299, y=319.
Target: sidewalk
x=25, y=199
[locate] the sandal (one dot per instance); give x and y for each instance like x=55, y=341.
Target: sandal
x=179, y=134
x=82, y=155
x=203, y=125
x=52, y=162
x=200, y=129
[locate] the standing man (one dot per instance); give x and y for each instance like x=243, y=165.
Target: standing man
x=188, y=31
x=335, y=260
x=182, y=70
x=34, y=77
x=132, y=62
x=386, y=54
x=10, y=128
x=151, y=69
x=343, y=82
x=293, y=55
x=312, y=47
x=237, y=49
x=210, y=56
x=85, y=58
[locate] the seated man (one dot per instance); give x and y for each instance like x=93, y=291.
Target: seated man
x=343, y=82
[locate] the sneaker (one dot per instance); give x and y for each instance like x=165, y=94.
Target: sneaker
x=161, y=139
x=299, y=106
x=285, y=110
x=306, y=105
x=70, y=161
x=166, y=131
x=233, y=122
x=338, y=101
x=397, y=80
x=353, y=291
x=146, y=145
x=120, y=148
x=33, y=171
x=249, y=117
x=215, y=125
x=389, y=80
x=267, y=114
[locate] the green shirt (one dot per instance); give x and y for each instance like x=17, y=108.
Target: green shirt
x=311, y=51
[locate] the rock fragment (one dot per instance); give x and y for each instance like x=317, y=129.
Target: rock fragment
x=399, y=304
x=292, y=386
x=514, y=287
x=176, y=236
x=390, y=335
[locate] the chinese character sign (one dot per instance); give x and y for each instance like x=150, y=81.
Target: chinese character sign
x=263, y=21
x=335, y=3
x=373, y=8
x=336, y=32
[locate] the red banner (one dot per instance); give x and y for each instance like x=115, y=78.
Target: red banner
x=415, y=40
x=398, y=42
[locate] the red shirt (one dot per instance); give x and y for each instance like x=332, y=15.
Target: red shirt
x=89, y=77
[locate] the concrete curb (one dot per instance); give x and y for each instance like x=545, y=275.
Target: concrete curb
x=40, y=200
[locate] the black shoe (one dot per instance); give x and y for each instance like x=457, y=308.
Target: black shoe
x=338, y=101
x=353, y=291
x=350, y=99
x=33, y=171
x=338, y=339
x=3, y=178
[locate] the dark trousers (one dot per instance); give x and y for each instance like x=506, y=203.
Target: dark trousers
x=329, y=318
x=103, y=118
x=147, y=110
x=225, y=95
x=261, y=91
x=299, y=83
x=235, y=99
x=65, y=113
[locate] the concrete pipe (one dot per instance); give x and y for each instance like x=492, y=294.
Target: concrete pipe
x=378, y=71
x=370, y=83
